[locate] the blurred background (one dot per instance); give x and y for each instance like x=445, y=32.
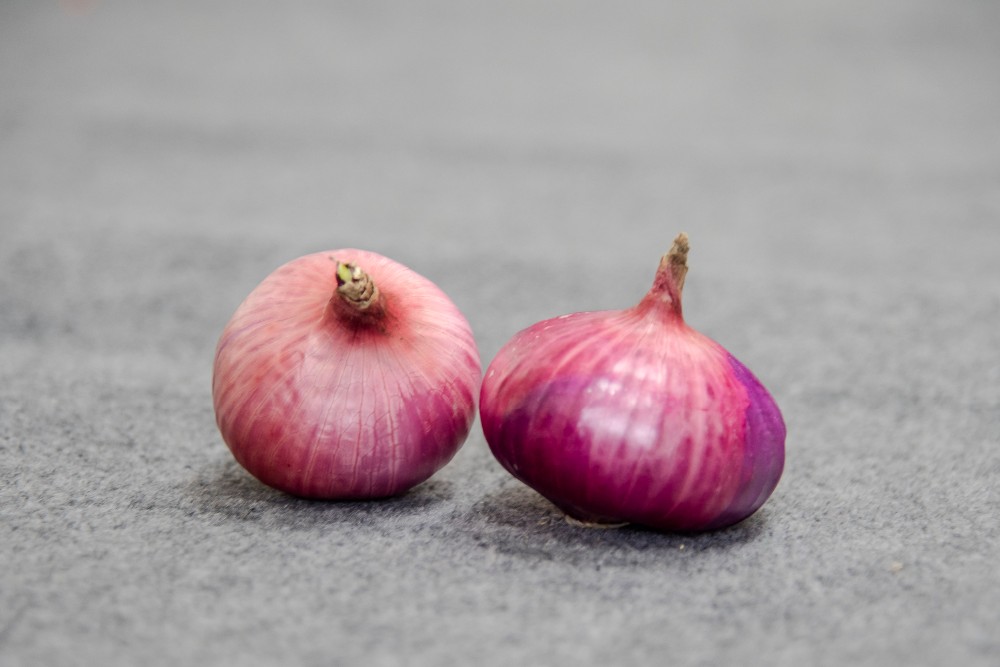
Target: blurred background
x=823, y=141
x=836, y=165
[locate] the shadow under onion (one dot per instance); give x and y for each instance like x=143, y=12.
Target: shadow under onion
x=228, y=492
x=523, y=523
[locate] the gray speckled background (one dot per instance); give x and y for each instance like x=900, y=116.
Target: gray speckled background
x=836, y=164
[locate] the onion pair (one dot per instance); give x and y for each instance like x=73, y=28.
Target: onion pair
x=346, y=375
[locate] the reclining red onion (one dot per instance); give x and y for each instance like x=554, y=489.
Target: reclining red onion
x=632, y=416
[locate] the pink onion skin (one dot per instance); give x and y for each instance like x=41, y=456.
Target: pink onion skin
x=322, y=403
x=632, y=416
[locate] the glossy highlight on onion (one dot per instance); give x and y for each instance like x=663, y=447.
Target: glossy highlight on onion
x=345, y=375
x=632, y=416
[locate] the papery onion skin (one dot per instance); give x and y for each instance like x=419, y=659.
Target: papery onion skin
x=631, y=416
x=322, y=400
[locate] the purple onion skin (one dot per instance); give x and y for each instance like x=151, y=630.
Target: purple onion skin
x=631, y=416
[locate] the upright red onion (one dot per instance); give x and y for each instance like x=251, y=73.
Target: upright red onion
x=345, y=375
x=632, y=416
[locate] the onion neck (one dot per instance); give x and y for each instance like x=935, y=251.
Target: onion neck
x=665, y=294
x=356, y=298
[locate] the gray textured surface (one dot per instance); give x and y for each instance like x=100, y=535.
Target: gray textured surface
x=837, y=166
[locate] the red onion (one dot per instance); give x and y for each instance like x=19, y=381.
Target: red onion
x=345, y=375
x=632, y=416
